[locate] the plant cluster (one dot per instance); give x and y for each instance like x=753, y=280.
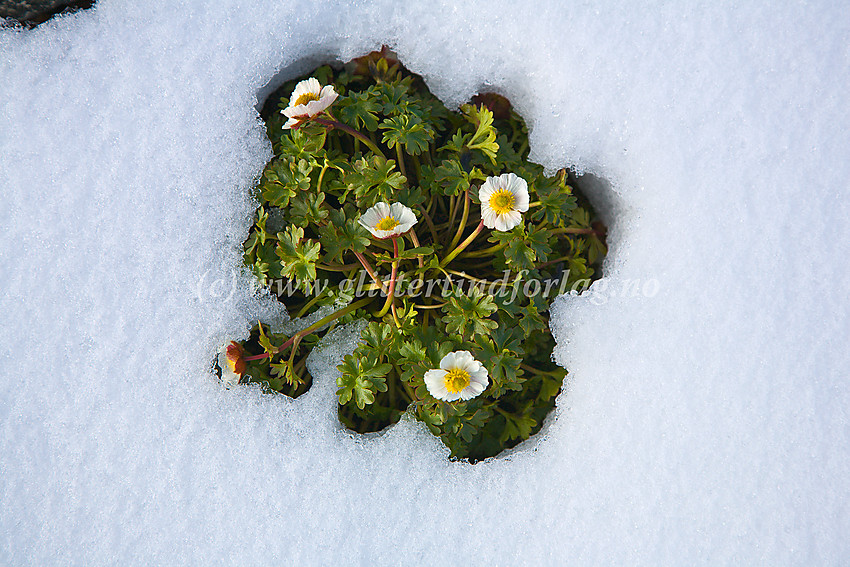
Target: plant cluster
x=431, y=226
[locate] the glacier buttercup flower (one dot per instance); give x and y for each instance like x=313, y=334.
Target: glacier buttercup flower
x=503, y=200
x=460, y=377
x=309, y=99
x=231, y=360
x=385, y=220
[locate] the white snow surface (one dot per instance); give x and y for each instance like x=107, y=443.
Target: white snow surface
x=704, y=424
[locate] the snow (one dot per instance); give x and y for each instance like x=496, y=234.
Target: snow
x=704, y=423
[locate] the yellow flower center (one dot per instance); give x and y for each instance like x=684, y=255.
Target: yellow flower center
x=456, y=380
x=387, y=223
x=502, y=201
x=305, y=98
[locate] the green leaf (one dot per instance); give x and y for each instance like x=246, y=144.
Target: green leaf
x=468, y=427
x=409, y=131
x=286, y=373
x=358, y=110
x=342, y=234
x=412, y=359
x=556, y=201
x=265, y=342
x=306, y=208
x=451, y=177
x=373, y=180
x=298, y=258
x=410, y=196
x=302, y=143
x=414, y=252
x=518, y=254
x=549, y=387
x=469, y=313
x=518, y=426
x=377, y=338
x=484, y=138
x=531, y=319
x=540, y=242
x=595, y=249
x=284, y=178
x=360, y=380
x=393, y=96
x=503, y=355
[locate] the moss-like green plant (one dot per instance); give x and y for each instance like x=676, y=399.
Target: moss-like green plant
x=432, y=226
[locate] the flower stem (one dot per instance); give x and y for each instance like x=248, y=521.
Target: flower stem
x=400, y=157
x=310, y=304
x=553, y=373
x=335, y=267
x=555, y=261
x=391, y=295
x=368, y=267
x=452, y=214
x=576, y=231
x=415, y=240
x=462, y=245
x=418, y=167
x=484, y=252
x=321, y=178
x=430, y=223
x=463, y=220
x=348, y=129
x=316, y=326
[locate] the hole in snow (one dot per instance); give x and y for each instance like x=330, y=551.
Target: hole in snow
x=31, y=14
x=387, y=139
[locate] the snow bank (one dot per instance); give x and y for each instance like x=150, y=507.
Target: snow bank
x=706, y=422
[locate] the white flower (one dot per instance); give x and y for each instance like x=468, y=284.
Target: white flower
x=232, y=364
x=503, y=200
x=384, y=220
x=460, y=377
x=308, y=99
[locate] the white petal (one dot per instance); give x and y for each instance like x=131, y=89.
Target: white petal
x=370, y=218
x=467, y=393
x=450, y=397
x=402, y=228
x=435, y=382
x=293, y=111
x=329, y=93
x=508, y=221
x=448, y=361
x=521, y=201
x=489, y=217
x=519, y=187
x=502, y=223
x=480, y=376
x=485, y=206
x=464, y=360
x=375, y=213
x=315, y=107
x=310, y=85
x=486, y=191
x=514, y=218
x=403, y=214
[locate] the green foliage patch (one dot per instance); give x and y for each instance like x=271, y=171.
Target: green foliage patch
x=449, y=290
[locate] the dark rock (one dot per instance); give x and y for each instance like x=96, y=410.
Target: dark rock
x=30, y=13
